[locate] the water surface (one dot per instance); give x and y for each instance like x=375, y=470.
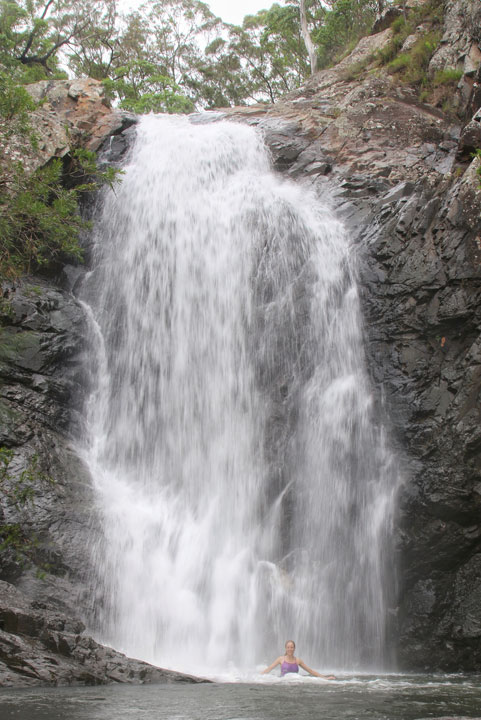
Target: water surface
x=398, y=697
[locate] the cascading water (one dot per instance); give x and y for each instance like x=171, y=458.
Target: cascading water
x=245, y=489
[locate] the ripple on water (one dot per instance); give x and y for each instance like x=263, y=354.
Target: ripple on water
x=355, y=697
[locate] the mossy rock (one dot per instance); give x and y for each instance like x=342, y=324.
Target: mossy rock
x=21, y=348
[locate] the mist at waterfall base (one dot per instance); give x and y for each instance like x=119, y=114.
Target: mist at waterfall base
x=245, y=487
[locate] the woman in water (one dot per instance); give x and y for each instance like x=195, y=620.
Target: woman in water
x=291, y=664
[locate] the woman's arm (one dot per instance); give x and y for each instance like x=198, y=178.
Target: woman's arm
x=271, y=667
x=313, y=672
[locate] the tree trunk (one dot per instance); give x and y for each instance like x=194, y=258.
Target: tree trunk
x=307, y=38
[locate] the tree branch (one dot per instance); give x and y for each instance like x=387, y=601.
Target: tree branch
x=31, y=37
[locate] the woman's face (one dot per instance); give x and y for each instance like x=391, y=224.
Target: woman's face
x=290, y=647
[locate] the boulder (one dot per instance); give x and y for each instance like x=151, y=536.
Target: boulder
x=41, y=646
x=470, y=139
x=71, y=113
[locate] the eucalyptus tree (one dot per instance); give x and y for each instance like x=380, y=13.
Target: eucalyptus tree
x=260, y=60
x=34, y=33
x=306, y=35
x=159, y=57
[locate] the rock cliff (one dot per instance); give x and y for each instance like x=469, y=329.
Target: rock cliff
x=400, y=171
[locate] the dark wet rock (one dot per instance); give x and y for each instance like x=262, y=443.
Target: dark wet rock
x=285, y=142
x=470, y=139
x=41, y=342
x=41, y=383
x=421, y=296
x=41, y=646
x=114, y=148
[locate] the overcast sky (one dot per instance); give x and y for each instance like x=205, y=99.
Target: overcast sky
x=232, y=11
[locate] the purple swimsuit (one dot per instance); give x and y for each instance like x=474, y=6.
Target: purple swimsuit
x=288, y=667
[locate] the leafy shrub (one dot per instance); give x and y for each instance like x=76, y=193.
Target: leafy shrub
x=412, y=65
x=449, y=76
x=430, y=12
x=341, y=27
x=40, y=221
x=399, y=25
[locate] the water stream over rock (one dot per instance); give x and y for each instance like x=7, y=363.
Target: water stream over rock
x=245, y=484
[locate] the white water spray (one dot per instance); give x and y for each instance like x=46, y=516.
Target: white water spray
x=245, y=490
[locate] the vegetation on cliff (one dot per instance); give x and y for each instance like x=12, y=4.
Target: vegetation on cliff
x=175, y=56
x=169, y=56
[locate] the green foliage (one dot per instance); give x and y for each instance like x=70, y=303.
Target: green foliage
x=166, y=101
x=156, y=56
x=433, y=11
x=176, y=56
x=16, y=493
x=15, y=106
x=141, y=89
x=399, y=25
x=40, y=220
x=430, y=12
x=6, y=312
x=401, y=30
x=425, y=24
x=271, y=53
x=412, y=66
x=341, y=28
x=33, y=32
x=39, y=217
x=15, y=101
x=448, y=76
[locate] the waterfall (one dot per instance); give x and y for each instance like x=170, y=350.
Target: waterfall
x=244, y=483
